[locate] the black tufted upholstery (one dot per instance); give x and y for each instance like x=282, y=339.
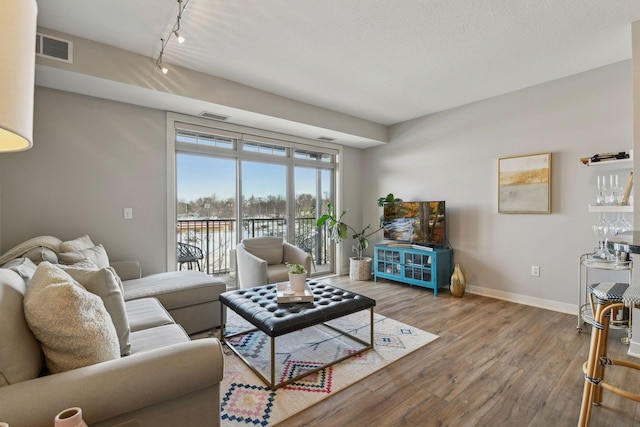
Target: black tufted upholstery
x=259, y=306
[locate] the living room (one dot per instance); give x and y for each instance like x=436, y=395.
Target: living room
x=94, y=155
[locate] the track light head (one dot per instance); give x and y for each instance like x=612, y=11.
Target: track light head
x=180, y=38
x=163, y=68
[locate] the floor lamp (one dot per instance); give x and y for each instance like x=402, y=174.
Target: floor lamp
x=18, y=22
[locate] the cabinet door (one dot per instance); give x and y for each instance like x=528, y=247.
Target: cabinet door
x=389, y=262
x=418, y=266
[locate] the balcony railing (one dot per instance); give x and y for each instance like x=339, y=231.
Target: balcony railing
x=217, y=239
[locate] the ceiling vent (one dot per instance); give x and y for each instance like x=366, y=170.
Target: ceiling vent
x=326, y=139
x=213, y=116
x=54, y=48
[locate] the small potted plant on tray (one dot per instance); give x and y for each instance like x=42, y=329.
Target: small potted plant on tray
x=297, y=277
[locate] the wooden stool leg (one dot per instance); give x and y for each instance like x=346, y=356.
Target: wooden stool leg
x=592, y=366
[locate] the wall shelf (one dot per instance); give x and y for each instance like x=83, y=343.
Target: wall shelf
x=612, y=164
x=608, y=209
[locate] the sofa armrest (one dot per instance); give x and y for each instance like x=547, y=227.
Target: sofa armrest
x=119, y=387
x=295, y=255
x=127, y=270
x=252, y=271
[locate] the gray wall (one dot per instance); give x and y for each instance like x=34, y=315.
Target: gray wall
x=453, y=156
x=91, y=158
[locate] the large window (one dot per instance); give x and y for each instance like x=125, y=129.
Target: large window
x=231, y=185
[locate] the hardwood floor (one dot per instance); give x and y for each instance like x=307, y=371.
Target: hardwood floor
x=496, y=363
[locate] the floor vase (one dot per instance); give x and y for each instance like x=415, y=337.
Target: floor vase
x=458, y=282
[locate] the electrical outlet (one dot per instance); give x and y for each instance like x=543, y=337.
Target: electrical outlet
x=353, y=249
x=535, y=270
x=128, y=213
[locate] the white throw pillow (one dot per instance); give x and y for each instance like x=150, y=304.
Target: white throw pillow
x=72, y=324
x=107, y=285
x=78, y=244
x=97, y=254
x=23, y=266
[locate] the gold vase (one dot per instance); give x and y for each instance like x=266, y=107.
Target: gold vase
x=458, y=282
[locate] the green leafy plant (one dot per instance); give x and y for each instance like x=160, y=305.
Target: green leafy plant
x=389, y=200
x=339, y=230
x=296, y=269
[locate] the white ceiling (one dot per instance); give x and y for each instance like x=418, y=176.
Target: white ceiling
x=382, y=60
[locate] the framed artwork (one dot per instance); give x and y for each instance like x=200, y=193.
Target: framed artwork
x=524, y=184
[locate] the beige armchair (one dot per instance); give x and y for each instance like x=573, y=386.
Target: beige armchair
x=263, y=260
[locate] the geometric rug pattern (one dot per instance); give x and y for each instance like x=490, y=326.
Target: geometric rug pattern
x=246, y=400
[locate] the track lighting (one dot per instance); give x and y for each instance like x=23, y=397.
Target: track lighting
x=176, y=32
x=159, y=63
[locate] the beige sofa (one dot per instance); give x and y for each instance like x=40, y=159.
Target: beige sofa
x=145, y=372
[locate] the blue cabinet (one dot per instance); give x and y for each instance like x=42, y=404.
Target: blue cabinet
x=427, y=267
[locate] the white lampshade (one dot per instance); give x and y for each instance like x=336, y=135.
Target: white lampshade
x=18, y=21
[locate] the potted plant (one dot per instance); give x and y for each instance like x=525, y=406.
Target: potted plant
x=297, y=277
x=359, y=267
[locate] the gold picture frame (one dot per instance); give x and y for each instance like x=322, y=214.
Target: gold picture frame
x=524, y=184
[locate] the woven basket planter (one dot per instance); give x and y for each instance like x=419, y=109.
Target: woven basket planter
x=360, y=268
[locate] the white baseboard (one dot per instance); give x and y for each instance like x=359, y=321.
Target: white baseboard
x=524, y=299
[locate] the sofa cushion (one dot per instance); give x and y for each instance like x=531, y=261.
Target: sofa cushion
x=97, y=254
x=175, y=289
x=107, y=285
x=21, y=357
x=147, y=313
x=268, y=248
x=72, y=324
x=23, y=266
x=160, y=336
x=78, y=244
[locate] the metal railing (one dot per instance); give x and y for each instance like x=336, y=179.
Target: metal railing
x=217, y=238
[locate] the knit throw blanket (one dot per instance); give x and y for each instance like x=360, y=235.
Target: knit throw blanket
x=50, y=242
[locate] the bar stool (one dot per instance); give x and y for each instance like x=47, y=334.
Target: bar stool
x=604, y=298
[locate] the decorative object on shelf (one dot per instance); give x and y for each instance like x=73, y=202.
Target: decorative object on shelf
x=627, y=190
x=604, y=157
x=458, y=282
x=524, y=184
x=71, y=417
x=297, y=277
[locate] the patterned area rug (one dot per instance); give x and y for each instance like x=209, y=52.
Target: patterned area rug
x=246, y=400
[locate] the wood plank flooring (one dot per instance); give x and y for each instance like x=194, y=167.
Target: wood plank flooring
x=496, y=363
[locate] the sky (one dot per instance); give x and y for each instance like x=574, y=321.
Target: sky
x=200, y=176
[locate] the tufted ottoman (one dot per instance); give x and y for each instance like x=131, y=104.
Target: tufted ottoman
x=259, y=307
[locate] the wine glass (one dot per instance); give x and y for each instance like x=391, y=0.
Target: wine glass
x=618, y=226
x=600, y=193
x=600, y=230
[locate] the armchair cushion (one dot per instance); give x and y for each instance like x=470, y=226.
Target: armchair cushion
x=267, y=248
x=72, y=324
